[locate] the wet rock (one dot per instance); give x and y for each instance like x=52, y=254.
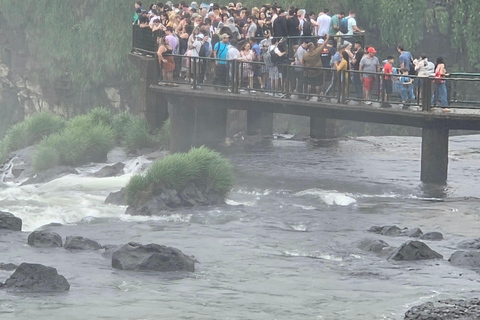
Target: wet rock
x=10, y=222
x=81, y=243
x=109, y=249
x=8, y=266
x=376, y=229
x=414, y=233
x=37, y=278
x=469, y=244
x=445, y=310
x=117, y=198
x=414, y=250
x=151, y=257
x=110, y=171
x=44, y=239
x=392, y=231
x=50, y=174
x=433, y=236
x=467, y=259
x=372, y=245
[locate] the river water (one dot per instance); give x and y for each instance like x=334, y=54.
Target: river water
x=283, y=247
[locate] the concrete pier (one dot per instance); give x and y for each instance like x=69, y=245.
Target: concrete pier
x=322, y=128
x=434, y=161
x=259, y=123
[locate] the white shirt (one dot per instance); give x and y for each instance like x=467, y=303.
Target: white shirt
x=197, y=45
x=323, y=24
x=351, y=23
x=232, y=53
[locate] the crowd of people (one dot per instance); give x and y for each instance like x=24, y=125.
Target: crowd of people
x=320, y=49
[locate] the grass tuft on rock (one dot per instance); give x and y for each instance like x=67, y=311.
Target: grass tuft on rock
x=137, y=135
x=202, y=166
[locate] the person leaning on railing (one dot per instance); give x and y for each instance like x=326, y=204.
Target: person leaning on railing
x=220, y=52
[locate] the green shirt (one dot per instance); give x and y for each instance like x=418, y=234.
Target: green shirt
x=334, y=22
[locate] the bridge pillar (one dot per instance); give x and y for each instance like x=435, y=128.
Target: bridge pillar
x=182, y=126
x=322, y=128
x=211, y=126
x=259, y=123
x=148, y=76
x=434, y=167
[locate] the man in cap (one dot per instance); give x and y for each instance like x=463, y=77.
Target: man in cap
x=369, y=63
x=312, y=60
x=220, y=52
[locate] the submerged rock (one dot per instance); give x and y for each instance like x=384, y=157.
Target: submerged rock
x=391, y=231
x=414, y=233
x=117, y=198
x=37, y=278
x=10, y=222
x=433, y=236
x=8, y=266
x=81, y=243
x=467, y=259
x=44, y=239
x=376, y=229
x=414, y=250
x=50, y=174
x=469, y=244
x=151, y=257
x=372, y=245
x=446, y=310
x=110, y=171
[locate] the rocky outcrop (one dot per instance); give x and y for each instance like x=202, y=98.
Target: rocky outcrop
x=446, y=310
x=50, y=174
x=473, y=244
x=391, y=231
x=110, y=171
x=117, y=198
x=8, y=266
x=466, y=259
x=151, y=257
x=37, y=278
x=432, y=236
x=81, y=243
x=372, y=245
x=10, y=222
x=44, y=239
x=414, y=233
x=162, y=199
x=414, y=250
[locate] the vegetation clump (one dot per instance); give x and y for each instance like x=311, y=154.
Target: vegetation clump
x=208, y=170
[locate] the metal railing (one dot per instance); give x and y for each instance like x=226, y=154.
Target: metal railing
x=300, y=82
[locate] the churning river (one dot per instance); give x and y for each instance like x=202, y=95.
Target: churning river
x=283, y=247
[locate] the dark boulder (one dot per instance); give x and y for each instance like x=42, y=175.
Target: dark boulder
x=414, y=250
x=372, y=245
x=117, y=198
x=151, y=257
x=392, y=231
x=414, y=233
x=433, y=236
x=50, y=174
x=8, y=266
x=469, y=244
x=81, y=243
x=110, y=171
x=10, y=222
x=44, y=239
x=467, y=259
x=376, y=229
x=37, y=278
x=446, y=310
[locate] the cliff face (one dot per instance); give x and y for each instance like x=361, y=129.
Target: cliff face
x=25, y=90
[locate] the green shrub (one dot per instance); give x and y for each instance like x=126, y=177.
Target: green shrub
x=163, y=136
x=137, y=135
x=101, y=116
x=45, y=157
x=203, y=166
x=120, y=123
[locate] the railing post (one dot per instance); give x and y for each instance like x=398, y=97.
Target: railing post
x=235, y=76
x=427, y=94
x=383, y=91
x=195, y=75
x=339, y=85
x=290, y=73
x=133, y=37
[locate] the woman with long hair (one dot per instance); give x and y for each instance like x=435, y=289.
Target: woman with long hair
x=166, y=61
x=440, y=88
x=246, y=54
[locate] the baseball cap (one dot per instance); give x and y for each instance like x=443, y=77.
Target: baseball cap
x=200, y=35
x=320, y=41
x=371, y=50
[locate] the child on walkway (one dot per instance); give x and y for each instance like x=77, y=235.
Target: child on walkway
x=406, y=90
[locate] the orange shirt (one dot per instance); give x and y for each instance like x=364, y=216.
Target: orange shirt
x=387, y=69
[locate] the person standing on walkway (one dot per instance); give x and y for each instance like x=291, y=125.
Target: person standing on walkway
x=440, y=88
x=323, y=22
x=406, y=62
x=388, y=81
x=220, y=52
x=369, y=63
x=357, y=57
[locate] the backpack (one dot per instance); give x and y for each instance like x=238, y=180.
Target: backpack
x=307, y=27
x=203, y=51
x=344, y=25
x=269, y=57
x=259, y=32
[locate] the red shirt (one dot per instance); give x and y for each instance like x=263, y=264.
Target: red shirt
x=387, y=69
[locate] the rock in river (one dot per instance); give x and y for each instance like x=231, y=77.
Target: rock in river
x=433, y=236
x=151, y=257
x=110, y=171
x=44, y=239
x=446, y=310
x=37, y=278
x=10, y=222
x=470, y=244
x=81, y=243
x=414, y=250
x=467, y=259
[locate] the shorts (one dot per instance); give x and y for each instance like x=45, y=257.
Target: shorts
x=388, y=86
x=368, y=83
x=274, y=74
x=314, y=81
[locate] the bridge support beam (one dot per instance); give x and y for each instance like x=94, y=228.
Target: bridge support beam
x=322, y=128
x=211, y=126
x=259, y=123
x=182, y=127
x=434, y=167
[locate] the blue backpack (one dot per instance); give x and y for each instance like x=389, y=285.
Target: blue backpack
x=344, y=25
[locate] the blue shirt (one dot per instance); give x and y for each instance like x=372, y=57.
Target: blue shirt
x=337, y=57
x=406, y=59
x=257, y=51
x=222, y=49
